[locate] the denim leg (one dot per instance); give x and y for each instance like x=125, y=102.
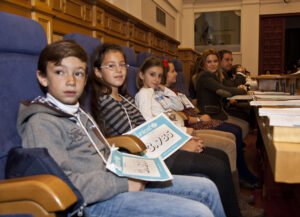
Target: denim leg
x=147, y=204
x=195, y=188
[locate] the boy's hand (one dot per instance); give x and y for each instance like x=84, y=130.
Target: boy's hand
x=136, y=185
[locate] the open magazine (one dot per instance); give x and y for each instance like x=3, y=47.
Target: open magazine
x=162, y=138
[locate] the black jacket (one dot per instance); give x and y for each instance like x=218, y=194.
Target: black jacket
x=210, y=91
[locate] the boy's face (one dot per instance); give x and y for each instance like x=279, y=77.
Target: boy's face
x=66, y=81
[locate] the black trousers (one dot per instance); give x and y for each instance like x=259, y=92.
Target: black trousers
x=213, y=163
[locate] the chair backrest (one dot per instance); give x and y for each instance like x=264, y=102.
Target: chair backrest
x=21, y=40
x=132, y=71
x=142, y=56
x=89, y=44
x=130, y=55
x=180, y=84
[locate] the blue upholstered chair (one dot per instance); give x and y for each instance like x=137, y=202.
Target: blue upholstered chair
x=21, y=40
x=132, y=71
x=180, y=82
x=142, y=56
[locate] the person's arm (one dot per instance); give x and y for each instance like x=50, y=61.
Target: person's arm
x=143, y=100
x=173, y=100
x=213, y=85
x=95, y=185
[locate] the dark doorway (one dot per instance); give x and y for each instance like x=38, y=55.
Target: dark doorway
x=292, y=43
x=279, y=44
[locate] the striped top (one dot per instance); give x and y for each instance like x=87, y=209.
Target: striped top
x=119, y=117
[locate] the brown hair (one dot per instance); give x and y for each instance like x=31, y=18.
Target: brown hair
x=148, y=63
x=56, y=52
x=59, y=50
x=205, y=54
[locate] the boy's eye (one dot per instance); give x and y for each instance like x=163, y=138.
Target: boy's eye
x=152, y=74
x=79, y=74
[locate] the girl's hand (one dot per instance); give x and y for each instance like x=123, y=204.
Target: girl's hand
x=205, y=118
x=190, y=131
x=160, y=87
x=193, y=145
x=136, y=185
x=193, y=120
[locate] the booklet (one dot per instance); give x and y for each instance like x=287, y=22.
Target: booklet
x=161, y=136
x=138, y=167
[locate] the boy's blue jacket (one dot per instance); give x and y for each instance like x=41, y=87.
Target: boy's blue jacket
x=41, y=125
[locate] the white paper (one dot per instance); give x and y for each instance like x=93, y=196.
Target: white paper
x=138, y=167
x=295, y=103
x=279, y=97
x=241, y=97
x=285, y=121
x=161, y=136
x=269, y=93
x=279, y=111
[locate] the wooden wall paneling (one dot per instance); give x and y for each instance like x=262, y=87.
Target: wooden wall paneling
x=99, y=35
x=98, y=18
x=115, y=40
x=74, y=8
x=46, y=22
x=61, y=27
x=57, y=5
x=42, y=4
x=115, y=26
x=88, y=13
x=21, y=8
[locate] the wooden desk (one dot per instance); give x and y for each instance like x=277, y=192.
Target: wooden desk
x=268, y=82
x=284, y=157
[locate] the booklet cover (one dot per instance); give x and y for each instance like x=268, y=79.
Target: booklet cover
x=161, y=136
x=137, y=167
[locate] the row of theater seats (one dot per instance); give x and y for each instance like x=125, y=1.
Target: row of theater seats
x=21, y=40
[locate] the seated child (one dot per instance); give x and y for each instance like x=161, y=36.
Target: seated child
x=58, y=123
x=117, y=113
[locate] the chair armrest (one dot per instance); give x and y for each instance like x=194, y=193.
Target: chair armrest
x=48, y=191
x=131, y=143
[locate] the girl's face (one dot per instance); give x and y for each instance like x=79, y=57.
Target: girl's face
x=171, y=75
x=114, y=69
x=152, y=77
x=211, y=63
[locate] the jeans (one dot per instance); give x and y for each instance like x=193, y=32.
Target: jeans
x=184, y=196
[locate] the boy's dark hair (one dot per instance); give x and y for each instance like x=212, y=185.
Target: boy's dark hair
x=99, y=86
x=148, y=63
x=56, y=52
x=222, y=52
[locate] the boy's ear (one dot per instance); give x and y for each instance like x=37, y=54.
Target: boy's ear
x=98, y=73
x=42, y=79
